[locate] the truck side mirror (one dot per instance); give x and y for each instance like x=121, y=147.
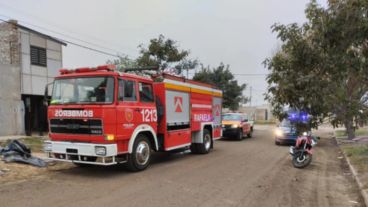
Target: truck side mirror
x=46, y=95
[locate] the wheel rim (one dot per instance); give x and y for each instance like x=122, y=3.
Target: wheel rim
x=207, y=141
x=301, y=159
x=143, y=153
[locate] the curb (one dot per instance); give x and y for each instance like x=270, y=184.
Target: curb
x=355, y=176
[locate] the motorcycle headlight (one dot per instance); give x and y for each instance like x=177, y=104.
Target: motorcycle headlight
x=279, y=133
x=305, y=133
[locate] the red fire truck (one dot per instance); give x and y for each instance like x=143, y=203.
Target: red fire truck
x=104, y=117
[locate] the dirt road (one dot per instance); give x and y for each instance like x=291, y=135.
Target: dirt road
x=252, y=172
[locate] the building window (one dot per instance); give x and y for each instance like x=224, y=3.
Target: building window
x=38, y=56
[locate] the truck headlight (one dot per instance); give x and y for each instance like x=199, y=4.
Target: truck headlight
x=279, y=133
x=47, y=146
x=235, y=126
x=100, y=150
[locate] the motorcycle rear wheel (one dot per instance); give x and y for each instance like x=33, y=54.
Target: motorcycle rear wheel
x=301, y=161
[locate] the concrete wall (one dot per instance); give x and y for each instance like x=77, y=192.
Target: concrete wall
x=11, y=105
x=35, y=78
x=250, y=111
x=261, y=113
x=18, y=76
x=9, y=44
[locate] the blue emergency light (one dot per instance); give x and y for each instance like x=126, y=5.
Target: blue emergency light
x=298, y=116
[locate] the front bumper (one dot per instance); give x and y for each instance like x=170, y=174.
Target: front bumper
x=230, y=132
x=84, y=153
x=286, y=139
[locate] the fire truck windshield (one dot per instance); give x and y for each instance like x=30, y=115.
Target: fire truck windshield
x=84, y=90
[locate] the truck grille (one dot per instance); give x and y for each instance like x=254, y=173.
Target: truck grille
x=76, y=126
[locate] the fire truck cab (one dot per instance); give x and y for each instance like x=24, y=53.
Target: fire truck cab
x=101, y=116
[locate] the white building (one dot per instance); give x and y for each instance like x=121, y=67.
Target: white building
x=31, y=60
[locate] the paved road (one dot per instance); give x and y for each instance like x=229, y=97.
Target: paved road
x=252, y=172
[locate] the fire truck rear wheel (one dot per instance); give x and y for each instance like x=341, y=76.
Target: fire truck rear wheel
x=140, y=158
x=205, y=147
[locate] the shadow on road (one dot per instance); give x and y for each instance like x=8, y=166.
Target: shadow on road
x=97, y=171
x=229, y=139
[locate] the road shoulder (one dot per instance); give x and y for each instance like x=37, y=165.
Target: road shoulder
x=356, y=156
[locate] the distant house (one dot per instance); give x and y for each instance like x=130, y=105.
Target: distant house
x=258, y=113
x=28, y=61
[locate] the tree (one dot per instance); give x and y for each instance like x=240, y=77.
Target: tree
x=222, y=78
x=165, y=53
x=321, y=67
x=123, y=62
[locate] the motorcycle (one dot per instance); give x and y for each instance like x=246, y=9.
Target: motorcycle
x=302, y=151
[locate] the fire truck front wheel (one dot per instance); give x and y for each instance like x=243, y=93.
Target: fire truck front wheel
x=140, y=158
x=205, y=147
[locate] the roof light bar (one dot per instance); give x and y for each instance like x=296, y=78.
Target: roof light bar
x=86, y=69
x=106, y=67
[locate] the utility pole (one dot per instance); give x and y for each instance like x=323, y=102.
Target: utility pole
x=250, y=96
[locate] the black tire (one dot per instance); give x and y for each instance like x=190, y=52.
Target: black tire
x=205, y=147
x=240, y=134
x=277, y=143
x=303, y=164
x=140, y=158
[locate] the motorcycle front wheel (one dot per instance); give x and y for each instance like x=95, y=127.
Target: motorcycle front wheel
x=302, y=160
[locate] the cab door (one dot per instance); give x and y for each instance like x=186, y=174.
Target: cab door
x=127, y=110
x=147, y=105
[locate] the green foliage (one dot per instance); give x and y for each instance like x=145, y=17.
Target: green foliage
x=165, y=53
x=123, y=62
x=222, y=78
x=322, y=65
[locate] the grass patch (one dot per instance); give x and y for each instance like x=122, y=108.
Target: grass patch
x=340, y=133
x=358, y=132
x=358, y=155
x=35, y=143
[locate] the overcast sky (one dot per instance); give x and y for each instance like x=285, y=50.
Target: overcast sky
x=235, y=32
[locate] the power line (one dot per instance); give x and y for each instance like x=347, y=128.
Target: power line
x=42, y=19
x=76, y=44
x=249, y=74
x=71, y=37
x=89, y=48
x=244, y=74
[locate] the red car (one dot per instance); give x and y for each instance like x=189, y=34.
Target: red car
x=235, y=125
